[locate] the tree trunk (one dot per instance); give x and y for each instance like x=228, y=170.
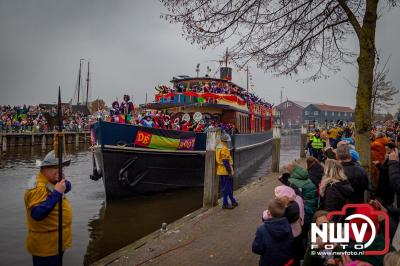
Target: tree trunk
x=366, y=63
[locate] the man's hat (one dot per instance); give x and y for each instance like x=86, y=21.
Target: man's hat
x=225, y=137
x=51, y=160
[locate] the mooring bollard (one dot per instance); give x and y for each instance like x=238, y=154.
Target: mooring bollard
x=77, y=140
x=32, y=139
x=276, y=149
x=303, y=142
x=4, y=144
x=44, y=143
x=211, y=184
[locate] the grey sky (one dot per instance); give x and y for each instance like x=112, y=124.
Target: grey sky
x=132, y=50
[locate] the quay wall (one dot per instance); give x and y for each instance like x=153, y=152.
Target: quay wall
x=8, y=140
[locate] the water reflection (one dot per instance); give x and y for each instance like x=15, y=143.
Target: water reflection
x=26, y=156
x=120, y=223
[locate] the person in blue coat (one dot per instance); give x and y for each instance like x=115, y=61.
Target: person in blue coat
x=274, y=238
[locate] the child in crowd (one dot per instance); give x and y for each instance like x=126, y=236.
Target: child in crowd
x=294, y=213
x=274, y=239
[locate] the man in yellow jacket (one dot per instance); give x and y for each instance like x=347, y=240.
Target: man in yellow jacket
x=224, y=163
x=41, y=202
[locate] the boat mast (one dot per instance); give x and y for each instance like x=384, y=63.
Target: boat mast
x=79, y=79
x=87, y=82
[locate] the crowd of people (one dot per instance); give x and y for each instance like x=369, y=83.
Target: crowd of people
x=126, y=113
x=34, y=118
x=213, y=87
x=332, y=178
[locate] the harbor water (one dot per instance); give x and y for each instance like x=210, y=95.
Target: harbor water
x=99, y=228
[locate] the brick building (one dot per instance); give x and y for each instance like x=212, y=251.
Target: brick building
x=290, y=113
x=323, y=113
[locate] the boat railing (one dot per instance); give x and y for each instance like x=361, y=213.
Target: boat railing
x=244, y=140
x=106, y=133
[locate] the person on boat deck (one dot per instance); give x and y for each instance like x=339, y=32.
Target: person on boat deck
x=176, y=125
x=126, y=106
x=41, y=202
x=114, y=111
x=224, y=163
x=167, y=122
x=148, y=121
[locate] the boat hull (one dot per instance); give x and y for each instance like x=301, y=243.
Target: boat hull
x=129, y=171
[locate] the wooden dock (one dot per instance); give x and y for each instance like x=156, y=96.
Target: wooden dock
x=10, y=140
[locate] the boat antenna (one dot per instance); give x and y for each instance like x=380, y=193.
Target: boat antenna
x=198, y=69
x=247, y=79
x=226, y=58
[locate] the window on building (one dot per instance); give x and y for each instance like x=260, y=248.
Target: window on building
x=326, y=113
x=338, y=114
x=333, y=113
x=306, y=112
x=315, y=112
x=306, y=121
x=351, y=114
x=345, y=114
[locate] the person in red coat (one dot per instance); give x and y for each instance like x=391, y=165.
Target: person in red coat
x=378, y=152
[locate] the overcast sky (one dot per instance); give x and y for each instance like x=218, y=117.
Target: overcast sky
x=131, y=50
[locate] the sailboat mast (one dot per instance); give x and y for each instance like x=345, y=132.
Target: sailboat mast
x=87, y=82
x=79, y=80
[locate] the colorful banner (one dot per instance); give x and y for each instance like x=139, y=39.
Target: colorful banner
x=153, y=141
x=187, y=96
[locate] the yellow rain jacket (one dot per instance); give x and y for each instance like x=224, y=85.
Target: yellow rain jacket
x=222, y=153
x=42, y=237
x=334, y=132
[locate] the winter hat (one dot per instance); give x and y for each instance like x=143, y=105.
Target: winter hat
x=286, y=191
x=355, y=156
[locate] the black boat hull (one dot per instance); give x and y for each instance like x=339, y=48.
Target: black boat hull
x=128, y=171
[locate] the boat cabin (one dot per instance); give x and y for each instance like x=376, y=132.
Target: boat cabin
x=218, y=100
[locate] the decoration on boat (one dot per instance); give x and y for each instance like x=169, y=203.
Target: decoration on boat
x=186, y=117
x=153, y=141
x=197, y=117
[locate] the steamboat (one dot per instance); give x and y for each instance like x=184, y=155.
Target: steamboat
x=136, y=159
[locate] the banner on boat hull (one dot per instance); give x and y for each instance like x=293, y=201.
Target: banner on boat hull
x=153, y=141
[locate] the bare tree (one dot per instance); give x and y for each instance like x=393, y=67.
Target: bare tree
x=96, y=105
x=285, y=36
x=383, y=90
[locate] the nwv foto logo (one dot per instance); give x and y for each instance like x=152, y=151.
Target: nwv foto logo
x=357, y=231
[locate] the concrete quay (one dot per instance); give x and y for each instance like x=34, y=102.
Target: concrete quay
x=207, y=236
